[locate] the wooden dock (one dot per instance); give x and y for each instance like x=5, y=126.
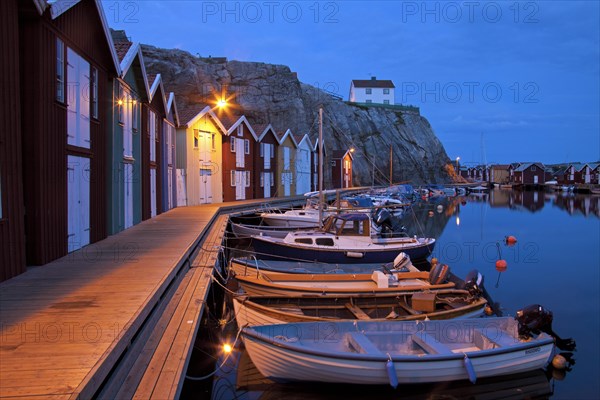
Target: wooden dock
x=81, y=326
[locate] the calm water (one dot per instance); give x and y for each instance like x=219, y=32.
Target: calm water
x=555, y=263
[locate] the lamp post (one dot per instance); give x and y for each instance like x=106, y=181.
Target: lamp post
x=457, y=170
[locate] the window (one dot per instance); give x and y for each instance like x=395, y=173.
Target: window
x=333, y=163
x=262, y=147
x=232, y=177
x=272, y=176
x=94, y=93
x=121, y=104
x=304, y=240
x=152, y=131
x=262, y=179
x=213, y=142
x=135, y=114
x=232, y=144
x=324, y=241
x=386, y=91
x=368, y=91
x=368, y=101
x=272, y=147
x=196, y=139
x=60, y=71
x=240, y=130
x=78, y=101
x=386, y=102
x=247, y=178
x=533, y=167
x=247, y=146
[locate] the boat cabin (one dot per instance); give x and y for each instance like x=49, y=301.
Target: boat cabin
x=351, y=224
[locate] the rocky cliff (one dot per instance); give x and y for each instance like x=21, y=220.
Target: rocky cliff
x=273, y=94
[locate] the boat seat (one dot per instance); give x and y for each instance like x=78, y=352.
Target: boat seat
x=430, y=344
x=497, y=337
x=359, y=342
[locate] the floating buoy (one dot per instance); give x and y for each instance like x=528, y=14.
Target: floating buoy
x=488, y=310
x=559, y=362
x=430, y=213
x=439, y=208
x=434, y=261
x=501, y=265
x=510, y=240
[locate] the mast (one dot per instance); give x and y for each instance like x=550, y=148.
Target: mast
x=320, y=166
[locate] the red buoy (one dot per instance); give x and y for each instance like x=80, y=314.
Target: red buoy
x=501, y=265
x=510, y=240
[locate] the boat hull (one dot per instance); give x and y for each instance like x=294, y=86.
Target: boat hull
x=271, y=250
x=286, y=353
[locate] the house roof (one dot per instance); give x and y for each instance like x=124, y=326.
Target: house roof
x=578, y=166
x=171, y=104
x=122, y=48
x=339, y=154
x=373, y=83
x=594, y=165
x=188, y=115
x=524, y=166
x=285, y=134
x=500, y=166
x=59, y=7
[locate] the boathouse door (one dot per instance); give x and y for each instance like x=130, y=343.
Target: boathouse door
x=205, y=185
x=152, y=192
x=267, y=184
x=240, y=185
x=535, y=179
x=78, y=189
x=127, y=196
x=285, y=177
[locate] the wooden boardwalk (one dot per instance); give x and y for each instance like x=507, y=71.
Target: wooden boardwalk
x=126, y=308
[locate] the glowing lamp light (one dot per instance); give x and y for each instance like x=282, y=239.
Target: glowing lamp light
x=227, y=348
x=352, y=150
x=221, y=103
x=120, y=102
x=457, y=220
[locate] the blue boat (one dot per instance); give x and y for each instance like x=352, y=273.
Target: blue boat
x=345, y=239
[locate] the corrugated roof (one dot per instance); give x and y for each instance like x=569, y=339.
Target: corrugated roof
x=524, y=166
x=371, y=83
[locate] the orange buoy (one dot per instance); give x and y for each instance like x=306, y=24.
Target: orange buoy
x=434, y=261
x=488, y=310
x=501, y=265
x=559, y=362
x=430, y=213
x=510, y=240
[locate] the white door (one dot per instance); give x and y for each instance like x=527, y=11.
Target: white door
x=240, y=185
x=128, y=196
x=267, y=184
x=170, y=188
x=239, y=153
x=205, y=186
x=535, y=179
x=181, y=189
x=152, y=192
x=78, y=189
x=587, y=175
x=287, y=183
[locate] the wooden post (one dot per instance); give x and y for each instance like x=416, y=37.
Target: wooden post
x=321, y=167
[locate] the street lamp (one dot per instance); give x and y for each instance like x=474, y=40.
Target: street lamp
x=221, y=103
x=457, y=160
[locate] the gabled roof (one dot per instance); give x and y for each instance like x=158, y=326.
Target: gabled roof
x=578, y=166
x=231, y=122
x=59, y=7
x=594, y=165
x=373, y=83
x=340, y=154
x=155, y=81
x=188, y=116
x=172, y=105
x=524, y=166
x=286, y=134
x=305, y=138
x=500, y=166
x=134, y=51
x=263, y=130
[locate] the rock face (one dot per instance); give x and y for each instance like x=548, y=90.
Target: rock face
x=273, y=94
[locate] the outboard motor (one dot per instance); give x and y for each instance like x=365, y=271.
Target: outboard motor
x=474, y=283
x=534, y=319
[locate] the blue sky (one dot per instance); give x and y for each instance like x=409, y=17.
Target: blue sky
x=498, y=81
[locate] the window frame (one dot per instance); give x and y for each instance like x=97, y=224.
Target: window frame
x=94, y=92
x=247, y=173
x=386, y=91
x=232, y=144
x=368, y=91
x=196, y=140
x=232, y=178
x=60, y=71
x=246, y=146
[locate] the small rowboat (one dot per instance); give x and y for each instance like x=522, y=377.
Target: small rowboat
x=392, y=352
x=442, y=304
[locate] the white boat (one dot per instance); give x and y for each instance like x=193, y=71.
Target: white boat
x=392, y=352
x=305, y=217
x=246, y=230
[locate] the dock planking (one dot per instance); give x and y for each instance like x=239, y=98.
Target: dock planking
x=66, y=326
x=63, y=326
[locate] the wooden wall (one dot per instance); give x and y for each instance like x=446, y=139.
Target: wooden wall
x=12, y=230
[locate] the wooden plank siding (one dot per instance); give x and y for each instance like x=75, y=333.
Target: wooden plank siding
x=259, y=163
x=12, y=229
x=156, y=106
x=44, y=127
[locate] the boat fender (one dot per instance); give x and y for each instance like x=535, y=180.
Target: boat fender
x=354, y=254
x=470, y=369
x=391, y=371
x=439, y=274
x=402, y=260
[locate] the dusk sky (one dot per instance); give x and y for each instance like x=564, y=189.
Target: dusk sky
x=498, y=81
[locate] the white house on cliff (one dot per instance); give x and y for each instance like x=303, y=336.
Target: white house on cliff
x=372, y=91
